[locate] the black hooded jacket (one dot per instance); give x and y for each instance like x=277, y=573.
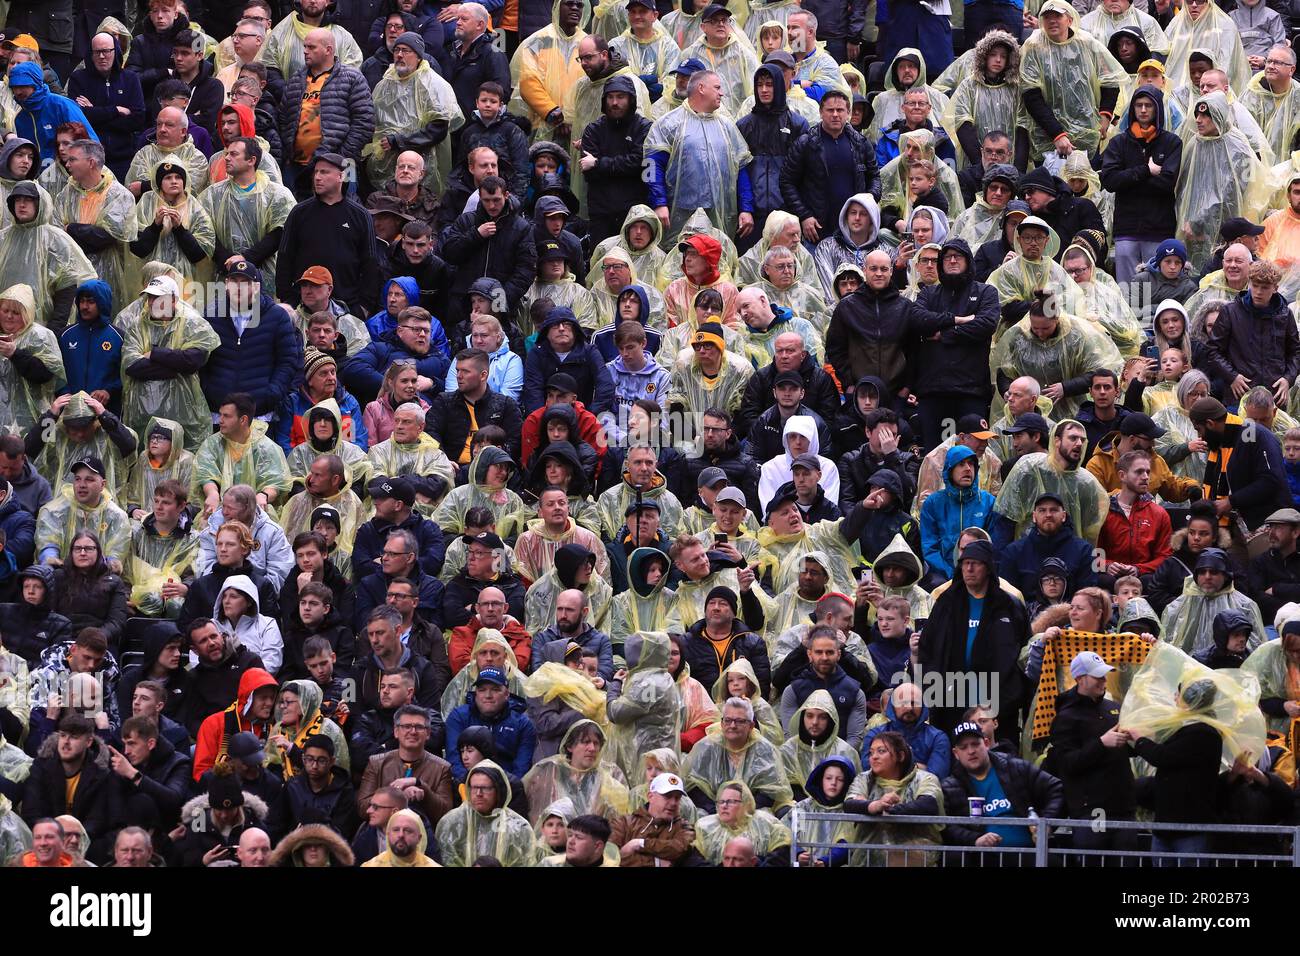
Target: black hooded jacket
x=1067, y=214
x=1144, y=204
x=586, y=456
x=820, y=394
x=957, y=363
x=1217, y=655
x=116, y=131
x=156, y=637
x=616, y=182
x=29, y=629
x=770, y=130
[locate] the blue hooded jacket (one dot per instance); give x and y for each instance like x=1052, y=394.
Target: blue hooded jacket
x=40, y=115
x=945, y=513
x=604, y=337
x=839, y=855
x=92, y=351
x=384, y=321
x=929, y=744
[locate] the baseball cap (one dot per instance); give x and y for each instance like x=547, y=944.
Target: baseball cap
x=24, y=40
x=782, y=495
x=1236, y=227
x=788, y=378
x=561, y=382
x=243, y=269
x=646, y=504
x=550, y=250
x=1049, y=496
x=648, y=4
x=806, y=461
x=1136, y=423
x=317, y=275
x=975, y=426
x=782, y=57
x=1028, y=422
x=491, y=675
x=489, y=539
x=162, y=285
x=667, y=783
x=397, y=488
x=1090, y=663
x=710, y=476
x=712, y=10
x=689, y=67
x=88, y=461
x=733, y=495
x=967, y=728
x=246, y=747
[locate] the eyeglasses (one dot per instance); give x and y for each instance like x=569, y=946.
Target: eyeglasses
x=109, y=52
x=928, y=261
x=316, y=761
x=246, y=36
x=1271, y=62
x=411, y=728
x=395, y=554
x=398, y=595
x=727, y=803
x=84, y=548
x=491, y=604
x=417, y=329
x=487, y=789
x=735, y=721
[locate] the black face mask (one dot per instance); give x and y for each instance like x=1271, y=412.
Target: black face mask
x=949, y=281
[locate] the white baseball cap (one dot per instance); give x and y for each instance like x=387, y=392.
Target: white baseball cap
x=1090, y=663
x=667, y=783
x=162, y=285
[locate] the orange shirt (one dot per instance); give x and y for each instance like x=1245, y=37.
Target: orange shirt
x=309, y=133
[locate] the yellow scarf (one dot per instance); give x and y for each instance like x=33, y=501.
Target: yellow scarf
x=1113, y=648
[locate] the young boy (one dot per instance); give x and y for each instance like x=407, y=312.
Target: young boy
x=1291, y=462
x=324, y=336
x=890, y=647
x=489, y=126
x=1126, y=589
x=320, y=659
x=636, y=375
x=922, y=190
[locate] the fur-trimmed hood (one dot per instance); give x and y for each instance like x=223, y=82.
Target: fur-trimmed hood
x=986, y=44
x=286, y=852
x=98, y=752
x=1178, y=540
x=196, y=809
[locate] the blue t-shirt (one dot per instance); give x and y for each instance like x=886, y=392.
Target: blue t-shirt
x=973, y=626
x=996, y=804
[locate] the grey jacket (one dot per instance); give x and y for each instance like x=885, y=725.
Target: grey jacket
x=347, y=113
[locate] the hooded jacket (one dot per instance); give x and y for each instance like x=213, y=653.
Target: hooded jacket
x=777, y=471
x=19, y=528
x=509, y=256
x=513, y=734
x=946, y=513
x=1217, y=656
x=615, y=183
x=29, y=629
x=120, y=87
x=156, y=637
x=214, y=734
x=839, y=249
x=770, y=130
x=92, y=351
x=1144, y=204
x=820, y=393
x=43, y=112
x=930, y=745
x=1022, y=559
x=879, y=333
x=1067, y=214
x=583, y=362
x=254, y=630
x=955, y=364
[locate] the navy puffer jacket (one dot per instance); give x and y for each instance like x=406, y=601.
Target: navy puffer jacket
x=347, y=113
x=263, y=361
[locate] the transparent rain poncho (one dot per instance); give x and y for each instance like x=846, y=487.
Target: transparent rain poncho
x=1076, y=348
x=23, y=401
x=15, y=836
x=646, y=262
x=811, y=315
x=750, y=265
x=765, y=831
x=1171, y=690
x=1277, y=116
x=1078, y=166
x=1214, y=182
x=476, y=493
x=735, y=63
x=543, y=70
x=689, y=388
x=196, y=220
x=131, y=312
x=765, y=717
x=1019, y=279
x=825, y=831
x=758, y=764
x=978, y=223
x=583, y=106
x=658, y=55
x=613, y=503
x=648, y=714
x=1188, y=621
x=62, y=519
x=800, y=757
x=403, y=104
x=602, y=790
x=664, y=760
x=764, y=13
x=1215, y=32
x=1086, y=501
x=539, y=602
x=699, y=223
x=888, y=104
x=462, y=682
x=151, y=156
x=40, y=254
x=988, y=106
x=312, y=722
x=915, y=784
x=464, y=834
x=423, y=457
x=1277, y=677
x=259, y=463
x=60, y=451
x=705, y=155
x=356, y=464
x=144, y=478
x=110, y=206
x=789, y=550
x=241, y=218
x=552, y=680
x=283, y=47
x=567, y=293
x=1106, y=307
x=1179, y=432
x=1070, y=76
x=179, y=399
x=643, y=607
x=154, y=561
x=893, y=178
x=1102, y=24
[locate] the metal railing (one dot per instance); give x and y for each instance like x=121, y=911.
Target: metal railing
x=1045, y=852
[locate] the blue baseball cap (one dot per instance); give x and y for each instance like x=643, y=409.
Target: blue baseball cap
x=491, y=675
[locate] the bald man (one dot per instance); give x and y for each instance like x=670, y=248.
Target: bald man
x=114, y=107
x=171, y=138
x=790, y=343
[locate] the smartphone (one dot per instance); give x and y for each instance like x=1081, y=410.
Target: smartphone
x=719, y=538
x=904, y=237
x=867, y=577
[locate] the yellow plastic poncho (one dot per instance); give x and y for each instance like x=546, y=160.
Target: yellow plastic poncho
x=312, y=722
x=1107, y=308
x=1278, y=116
x=539, y=601
x=1102, y=24
x=641, y=607
x=1277, y=677
x=689, y=388
x=954, y=72
x=464, y=834
x=151, y=156
x=1214, y=181
x=543, y=70
x=583, y=105
x=601, y=790
x=768, y=834
x=1188, y=621
x=350, y=327
x=764, y=13
x=133, y=310
x=893, y=177
x=463, y=681
x=1070, y=76
x=765, y=718
x=758, y=764
x=283, y=46
x=824, y=831
x=145, y=477
x=1214, y=32
x=259, y=463
x=824, y=536
x=987, y=106
x=915, y=784
x=657, y=55
x=155, y=560
x=563, y=809
x=58, y=453
x=565, y=292
x=356, y=464
x=1163, y=698
x=197, y=222
x=242, y=218
x=613, y=504
x=423, y=457
x=179, y=399
x=1019, y=279
x=705, y=155
x=646, y=263
x=44, y=195
x=1085, y=499
x=734, y=62
x=403, y=104
x=888, y=104
x=606, y=302
x=750, y=265
x=648, y=714
x=799, y=755
x=296, y=516
x=110, y=206
x=665, y=760
x=477, y=494
x=1075, y=348
x=23, y=401
x=1179, y=432
x=788, y=607
x=1078, y=166
x=551, y=680
x=698, y=224
x=61, y=519
x=44, y=257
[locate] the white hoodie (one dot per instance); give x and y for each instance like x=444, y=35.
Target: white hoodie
x=259, y=633
x=778, y=471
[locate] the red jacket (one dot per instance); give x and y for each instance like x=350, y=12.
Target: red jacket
x=463, y=637
x=1140, y=538
x=589, y=430
x=217, y=728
